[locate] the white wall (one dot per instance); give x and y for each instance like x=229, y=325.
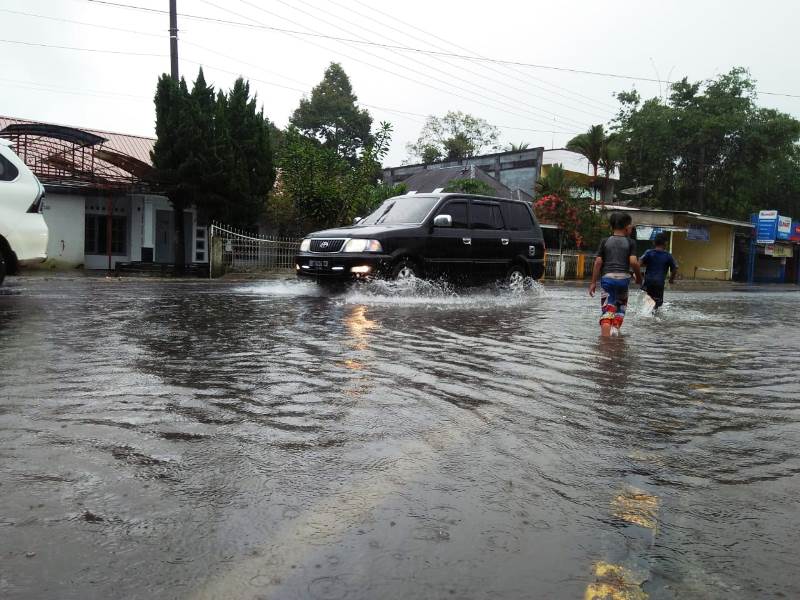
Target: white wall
x=64, y=215
x=572, y=161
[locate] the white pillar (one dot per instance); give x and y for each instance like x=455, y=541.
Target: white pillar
x=148, y=230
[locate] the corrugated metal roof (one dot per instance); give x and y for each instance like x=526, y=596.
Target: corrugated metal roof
x=138, y=147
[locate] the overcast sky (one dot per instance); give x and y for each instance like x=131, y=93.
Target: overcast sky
x=108, y=91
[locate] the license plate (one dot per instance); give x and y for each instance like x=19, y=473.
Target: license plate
x=318, y=264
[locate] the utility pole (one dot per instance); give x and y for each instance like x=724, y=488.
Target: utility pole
x=173, y=38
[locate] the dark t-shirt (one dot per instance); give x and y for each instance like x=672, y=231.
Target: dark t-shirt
x=616, y=252
x=657, y=262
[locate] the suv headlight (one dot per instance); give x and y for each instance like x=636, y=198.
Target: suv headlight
x=362, y=246
x=305, y=245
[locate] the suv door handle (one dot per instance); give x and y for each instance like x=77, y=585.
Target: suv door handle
x=504, y=241
x=467, y=241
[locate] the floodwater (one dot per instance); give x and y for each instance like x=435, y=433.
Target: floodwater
x=258, y=440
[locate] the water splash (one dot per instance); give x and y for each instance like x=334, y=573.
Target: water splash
x=440, y=294
x=284, y=288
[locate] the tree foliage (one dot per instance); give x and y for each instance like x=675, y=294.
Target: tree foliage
x=600, y=149
x=177, y=155
x=556, y=182
x=318, y=188
x=332, y=116
x=212, y=152
x=580, y=225
x=590, y=145
x=455, y=136
x=244, y=141
x=710, y=148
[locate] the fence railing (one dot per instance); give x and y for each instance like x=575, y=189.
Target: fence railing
x=236, y=251
x=568, y=266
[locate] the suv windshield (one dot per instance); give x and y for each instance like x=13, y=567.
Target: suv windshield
x=409, y=209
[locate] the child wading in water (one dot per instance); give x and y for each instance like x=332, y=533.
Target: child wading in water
x=656, y=263
x=616, y=258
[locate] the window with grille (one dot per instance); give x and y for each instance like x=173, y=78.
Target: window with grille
x=97, y=235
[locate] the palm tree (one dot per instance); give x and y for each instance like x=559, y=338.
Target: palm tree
x=512, y=147
x=556, y=183
x=610, y=155
x=590, y=145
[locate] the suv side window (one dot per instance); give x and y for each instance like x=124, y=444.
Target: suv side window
x=8, y=172
x=458, y=211
x=486, y=215
x=518, y=217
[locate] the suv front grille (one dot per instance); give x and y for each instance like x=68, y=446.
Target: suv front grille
x=326, y=245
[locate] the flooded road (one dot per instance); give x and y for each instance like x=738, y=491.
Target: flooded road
x=266, y=440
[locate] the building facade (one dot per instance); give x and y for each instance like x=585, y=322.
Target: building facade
x=705, y=247
x=516, y=170
x=101, y=207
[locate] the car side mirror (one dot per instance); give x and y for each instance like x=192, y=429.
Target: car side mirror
x=443, y=221
x=357, y=220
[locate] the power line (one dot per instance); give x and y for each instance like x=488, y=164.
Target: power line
x=32, y=85
x=63, y=20
x=216, y=68
x=515, y=102
x=494, y=105
x=407, y=48
x=432, y=41
x=383, y=69
x=149, y=34
x=78, y=49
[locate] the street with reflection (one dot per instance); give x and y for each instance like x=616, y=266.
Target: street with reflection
x=273, y=440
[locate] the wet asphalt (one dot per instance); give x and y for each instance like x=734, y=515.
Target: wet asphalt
x=267, y=439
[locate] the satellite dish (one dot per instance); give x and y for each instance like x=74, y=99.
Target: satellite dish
x=637, y=191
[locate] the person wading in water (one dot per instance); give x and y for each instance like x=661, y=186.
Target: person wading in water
x=616, y=258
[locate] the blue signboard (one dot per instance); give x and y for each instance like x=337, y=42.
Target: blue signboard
x=766, y=227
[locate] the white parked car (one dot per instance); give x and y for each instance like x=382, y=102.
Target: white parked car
x=23, y=232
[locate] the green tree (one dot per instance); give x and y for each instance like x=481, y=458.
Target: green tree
x=249, y=169
x=212, y=152
x=579, y=224
x=710, y=148
x=599, y=149
x=364, y=192
x=455, y=136
x=517, y=147
x=333, y=116
x=555, y=183
x=590, y=145
x=176, y=154
x=318, y=188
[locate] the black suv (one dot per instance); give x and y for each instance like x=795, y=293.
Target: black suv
x=462, y=237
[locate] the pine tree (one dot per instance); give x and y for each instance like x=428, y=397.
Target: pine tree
x=174, y=153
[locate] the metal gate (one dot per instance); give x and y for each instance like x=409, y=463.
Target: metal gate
x=237, y=251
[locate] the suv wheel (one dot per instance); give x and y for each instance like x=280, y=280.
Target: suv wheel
x=404, y=270
x=516, y=278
